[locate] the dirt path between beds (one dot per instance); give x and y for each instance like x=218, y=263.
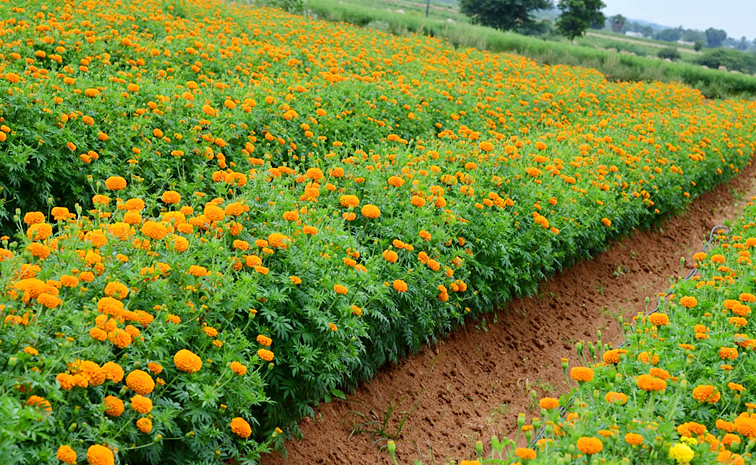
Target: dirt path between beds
x=473, y=383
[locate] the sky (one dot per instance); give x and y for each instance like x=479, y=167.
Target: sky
x=736, y=17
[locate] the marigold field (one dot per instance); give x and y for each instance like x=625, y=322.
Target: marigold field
x=217, y=216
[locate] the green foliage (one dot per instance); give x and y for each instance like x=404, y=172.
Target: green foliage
x=503, y=14
x=578, y=15
x=732, y=59
x=669, y=52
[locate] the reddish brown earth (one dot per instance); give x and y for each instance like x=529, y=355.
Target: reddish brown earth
x=473, y=383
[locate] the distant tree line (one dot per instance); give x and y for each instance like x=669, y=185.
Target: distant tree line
x=577, y=16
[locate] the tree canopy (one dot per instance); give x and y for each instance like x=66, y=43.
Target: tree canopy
x=578, y=15
x=503, y=14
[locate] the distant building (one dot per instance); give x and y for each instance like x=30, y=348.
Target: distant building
x=633, y=34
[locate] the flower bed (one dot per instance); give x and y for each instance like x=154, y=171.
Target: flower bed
x=680, y=390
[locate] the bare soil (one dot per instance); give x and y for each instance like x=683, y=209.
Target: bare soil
x=473, y=383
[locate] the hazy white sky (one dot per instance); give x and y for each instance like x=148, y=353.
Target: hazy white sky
x=737, y=17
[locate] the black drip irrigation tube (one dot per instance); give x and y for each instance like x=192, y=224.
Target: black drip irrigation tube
x=563, y=410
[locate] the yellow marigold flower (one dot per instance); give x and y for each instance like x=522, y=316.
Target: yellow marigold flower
x=371, y=211
x=115, y=183
x=140, y=382
x=265, y=354
x=581, y=374
x=114, y=406
x=240, y=427
x=144, y=425
x=141, y=404
x=100, y=455
x=682, y=453
x=66, y=455
x=589, y=445
x=238, y=368
x=187, y=361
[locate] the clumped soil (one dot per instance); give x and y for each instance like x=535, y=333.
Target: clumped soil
x=473, y=383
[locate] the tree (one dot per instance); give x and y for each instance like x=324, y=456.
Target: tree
x=715, y=37
x=618, y=23
x=669, y=35
x=503, y=14
x=578, y=15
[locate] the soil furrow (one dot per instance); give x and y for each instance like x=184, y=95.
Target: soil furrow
x=474, y=382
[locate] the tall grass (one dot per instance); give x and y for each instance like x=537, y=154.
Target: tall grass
x=625, y=67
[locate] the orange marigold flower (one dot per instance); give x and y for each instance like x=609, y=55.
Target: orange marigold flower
x=115, y=183
x=114, y=406
x=706, y=393
x=634, y=439
x=688, y=302
x=549, y=403
x=141, y=404
x=340, y=289
x=40, y=403
x=238, y=368
x=153, y=230
x=140, y=382
x=265, y=354
x=241, y=428
x=213, y=212
x=198, y=271
x=616, y=398
x=39, y=231
x=486, y=146
x=171, y=197
x=658, y=319
x=651, y=383
x=155, y=367
x=33, y=218
x=348, y=201
x=390, y=256
x=100, y=455
x=613, y=356
x=264, y=340
x=399, y=285
x=187, y=361
x=144, y=425
x=371, y=211
x=277, y=241
x=525, y=453
x=745, y=425
x=728, y=353
x=581, y=374
x=66, y=455
x=589, y=445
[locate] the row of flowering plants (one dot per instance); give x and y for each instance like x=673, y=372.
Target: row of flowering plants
x=680, y=390
x=221, y=215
